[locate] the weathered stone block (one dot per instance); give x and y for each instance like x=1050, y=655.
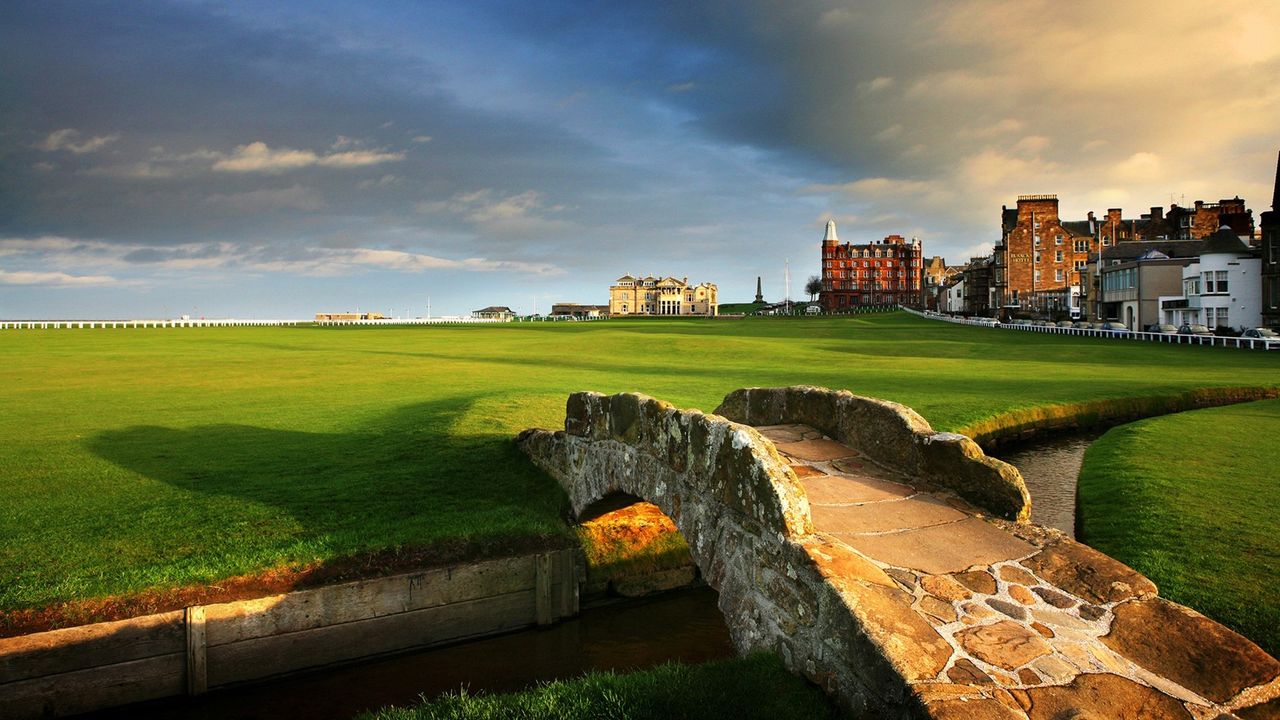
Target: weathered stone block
x=1087, y=573
x=1184, y=646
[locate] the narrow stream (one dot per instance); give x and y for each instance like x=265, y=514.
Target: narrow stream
x=683, y=626
x=1051, y=467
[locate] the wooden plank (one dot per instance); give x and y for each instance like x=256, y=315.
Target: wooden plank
x=273, y=655
x=566, y=580
x=69, y=649
x=94, y=688
x=197, y=680
x=350, y=602
x=542, y=588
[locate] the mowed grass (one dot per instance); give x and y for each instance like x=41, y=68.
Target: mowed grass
x=757, y=686
x=1192, y=500
x=155, y=458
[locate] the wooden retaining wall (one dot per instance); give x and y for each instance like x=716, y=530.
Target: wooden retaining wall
x=79, y=669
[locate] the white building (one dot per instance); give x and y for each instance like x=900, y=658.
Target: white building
x=953, y=297
x=1222, y=288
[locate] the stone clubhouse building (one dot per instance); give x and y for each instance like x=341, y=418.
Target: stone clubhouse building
x=652, y=296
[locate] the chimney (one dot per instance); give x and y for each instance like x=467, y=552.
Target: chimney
x=1157, y=213
x=1199, y=205
x=1090, y=216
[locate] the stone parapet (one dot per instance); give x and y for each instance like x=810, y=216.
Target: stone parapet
x=893, y=435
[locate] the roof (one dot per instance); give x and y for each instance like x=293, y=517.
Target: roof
x=1078, y=228
x=831, y=232
x=494, y=309
x=1133, y=250
x=1223, y=241
x=625, y=277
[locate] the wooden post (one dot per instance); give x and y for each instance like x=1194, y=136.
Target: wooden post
x=197, y=667
x=542, y=588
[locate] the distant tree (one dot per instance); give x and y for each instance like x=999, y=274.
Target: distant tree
x=813, y=287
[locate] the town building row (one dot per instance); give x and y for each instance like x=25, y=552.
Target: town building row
x=1206, y=264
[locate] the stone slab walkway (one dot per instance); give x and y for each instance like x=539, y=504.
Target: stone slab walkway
x=1002, y=620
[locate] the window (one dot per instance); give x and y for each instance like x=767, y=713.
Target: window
x=1037, y=275
x=1191, y=286
x=1080, y=264
x=1057, y=239
x=1215, y=282
x=1037, y=240
x=1057, y=256
x=1057, y=275
x=1037, y=257
x=1216, y=317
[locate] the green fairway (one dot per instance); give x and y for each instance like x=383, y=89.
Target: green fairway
x=142, y=459
x=1193, y=501
x=753, y=687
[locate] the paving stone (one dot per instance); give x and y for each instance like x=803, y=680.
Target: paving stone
x=965, y=672
x=835, y=559
x=1103, y=697
x=909, y=642
x=979, y=581
x=1087, y=573
x=788, y=433
x=978, y=611
x=1006, y=698
x=1054, y=597
x=1044, y=630
x=1005, y=644
x=1059, y=619
x=803, y=471
x=940, y=609
x=905, y=578
x=1012, y=574
x=846, y=489
x=931, y=692
x=1091, y=612
x=1053, y=669
x=1022, y=595
x=1017, y=612
x=1189, y=649
x=1079, y=656
x=1028, y=676
x=819, y=450
x=913, y=512
x=944, y=587
x=975, y=709
x=1022, y=698
x=942, y=549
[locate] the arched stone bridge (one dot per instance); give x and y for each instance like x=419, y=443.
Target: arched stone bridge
x=869, y=552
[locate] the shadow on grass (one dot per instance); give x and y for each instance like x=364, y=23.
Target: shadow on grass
x=406, y=491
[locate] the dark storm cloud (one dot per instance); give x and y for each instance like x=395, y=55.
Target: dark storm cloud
x=185, y=95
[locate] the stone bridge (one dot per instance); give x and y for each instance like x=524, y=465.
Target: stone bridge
x=893, y=565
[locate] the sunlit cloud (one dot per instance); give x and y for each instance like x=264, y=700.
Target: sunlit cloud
x=257, y=157
x=68, y=139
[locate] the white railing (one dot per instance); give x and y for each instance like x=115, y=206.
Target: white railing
x=120, y=324
x=1210, y=340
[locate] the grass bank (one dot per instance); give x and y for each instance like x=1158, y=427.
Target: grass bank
x=137, y=461
x=754, y=687
x=1190, y=500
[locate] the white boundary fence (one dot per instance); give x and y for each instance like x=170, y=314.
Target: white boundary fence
x=1210, y=340
x=63, y=324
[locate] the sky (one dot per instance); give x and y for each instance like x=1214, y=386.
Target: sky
x=274, y=160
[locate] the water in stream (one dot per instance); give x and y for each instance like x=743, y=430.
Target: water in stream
x=684, y=626
x=1051, y=468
